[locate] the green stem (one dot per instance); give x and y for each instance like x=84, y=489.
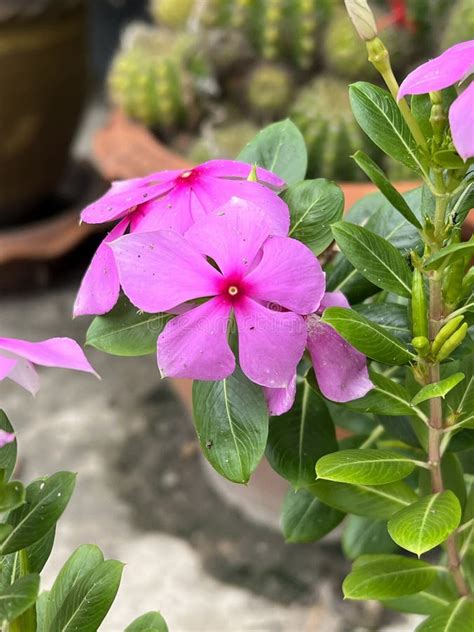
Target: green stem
x=374, y=435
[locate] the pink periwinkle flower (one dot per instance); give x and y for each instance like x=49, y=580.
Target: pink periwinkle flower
x=6, y=438
x=171, y=200
x=18, y=357
x=230, y=262
x=341, y=370
x=451, y=67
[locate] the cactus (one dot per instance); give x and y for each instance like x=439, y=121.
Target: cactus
x=460, y=24
x=269, y=90
x=223, y=142
x=323, y=114
x=171, y=13
x=150, y=80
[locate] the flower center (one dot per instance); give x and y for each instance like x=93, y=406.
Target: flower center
x=233, y=290
x=186, y=174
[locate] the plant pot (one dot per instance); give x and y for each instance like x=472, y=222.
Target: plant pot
x=42, y=83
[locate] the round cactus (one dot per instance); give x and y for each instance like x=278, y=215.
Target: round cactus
x=460, y=24
x=268, y=91
x=171, y=13
x=225, y=141
x=150, y=81
x=323, y=114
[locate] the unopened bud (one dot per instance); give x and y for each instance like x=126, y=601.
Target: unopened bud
x=445, y=333
x=452, y=343
x=362, y=18
x=421, y=344
x=419, y=309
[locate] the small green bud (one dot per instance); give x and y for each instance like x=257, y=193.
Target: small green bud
x=378, y=56
x=419, y=310
x=422, y=345
x=252, y=177
x=362, y=18
x=452, y=343
x=438, y=118
x=445, y=334
x=452, y=285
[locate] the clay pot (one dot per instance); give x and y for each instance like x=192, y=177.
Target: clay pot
x=42, y=87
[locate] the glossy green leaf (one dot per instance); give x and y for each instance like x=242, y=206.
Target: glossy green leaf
x=391, y=316
x=299, y=437
x=464, y=203
x=41, y=605
x=280, y=148
x=368, y=337
x=386, y=398
x=304, y=518
x=31, y=559
x=374, y=501
x=456, y=617
x=374, y=257
x=12, y=495
x=386, y=577
x=18, y=597
x=364, y=467
x=79, y=566
x=453, y=477
x=449, y=159
x=362, y=536
x=378, y=177
x=426, y=523
x=432, y=599
x=8, y=453
x=85, y=606
x=448, y=254
x=379, y=116
x=149, y=622
x=46, y=499
x=314, y=205
x=126, y=331
x=438, y=389
x=231, y=419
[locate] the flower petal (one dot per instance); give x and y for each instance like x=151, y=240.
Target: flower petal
x=280, y=400
x=270, y=343
x=25, y=375
x=7, y=364
x=194, y=345
x=6, y=437
x=232, y=235
x=63, y=353
x=461, y=120
x=213, y=193
x=170, y=212
x=100, y=287
x=238, y=169
x=333, y=299
x=340, y=369
x=160, y=270
x=440, y=72
x=288, y=274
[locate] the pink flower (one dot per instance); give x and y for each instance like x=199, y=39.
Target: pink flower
x=6, y=437
x=171, y=200
x=341, y=370
x=454, y=65
x=18, y=357
x=232, y=264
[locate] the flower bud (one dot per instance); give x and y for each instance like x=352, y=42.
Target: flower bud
x=445, y=334
x=452, y=343
x=422, y=345
x=362, y=18
x=419, y=310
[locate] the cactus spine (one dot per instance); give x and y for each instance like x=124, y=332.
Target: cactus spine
x=269, y=90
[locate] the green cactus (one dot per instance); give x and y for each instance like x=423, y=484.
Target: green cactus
x=171, y=13
x=150, y=80
x=323, y=114
x=223, y=142
x=460, y=24
x=269, y=90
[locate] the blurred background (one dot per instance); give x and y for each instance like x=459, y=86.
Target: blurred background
x=95, y=90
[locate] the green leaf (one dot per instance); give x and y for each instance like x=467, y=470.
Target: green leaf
x=85, y=607
x=438, y=594
x=231, y=419
x=379, y=116
x=314, y=206
x=149, y=622
x=453, y=478
x=304, y=518
x=368, y=337
x=378, y=177
x=126, y=331
x=364, y=467
x=79, y=566
x=299, y=437
x=12, y=495
x=46, y=499
x=438, y=389
x=18, y=597
x=363, y=536
x=449, y=159
x=280, y=148
x=456, y=617
x=9, y=452
x=426, y=523
x=374, y=257
x=41, y=605
x=448, y=254
x=463, y=204
x=386, y=577
x=391, y=316
x=379, y=501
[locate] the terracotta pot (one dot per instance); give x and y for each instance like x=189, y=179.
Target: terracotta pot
x=42, y=87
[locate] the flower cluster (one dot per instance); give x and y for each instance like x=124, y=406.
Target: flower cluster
x=211, y=247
